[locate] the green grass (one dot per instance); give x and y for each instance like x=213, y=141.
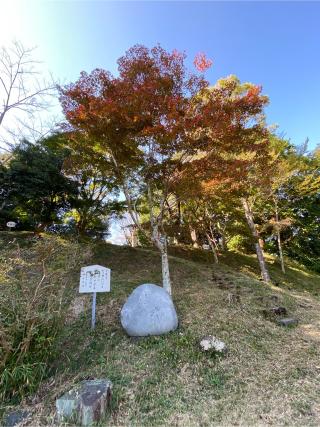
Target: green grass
x=269, y=376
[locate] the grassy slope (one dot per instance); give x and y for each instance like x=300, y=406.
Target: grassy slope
x=270, y=375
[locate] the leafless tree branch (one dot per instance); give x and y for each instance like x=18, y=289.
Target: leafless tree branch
x=22, y=89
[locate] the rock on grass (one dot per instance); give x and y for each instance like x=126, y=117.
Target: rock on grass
x=288, y=321
x=210, y=343
x=86, y=403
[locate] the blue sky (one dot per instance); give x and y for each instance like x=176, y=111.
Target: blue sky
x=275, y=44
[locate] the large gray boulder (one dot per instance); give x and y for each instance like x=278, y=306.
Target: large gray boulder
x=149, y=310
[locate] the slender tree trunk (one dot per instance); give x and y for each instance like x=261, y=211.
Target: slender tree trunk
x=2, y=116
x=166, y=282
x=279, y=238
x=179, y=212
x=161, y=243
x=134, y=237
x=255, y=234
x=212, y=246
x=222, y=242
x=280, y=251
x=194, y=238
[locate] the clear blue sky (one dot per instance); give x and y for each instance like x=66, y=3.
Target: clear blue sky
x=275, y=44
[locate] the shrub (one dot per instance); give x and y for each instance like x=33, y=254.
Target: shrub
x=35, y=291
x=239, y=242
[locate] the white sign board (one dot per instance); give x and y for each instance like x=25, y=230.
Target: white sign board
x=94, y=278
x=11, y=224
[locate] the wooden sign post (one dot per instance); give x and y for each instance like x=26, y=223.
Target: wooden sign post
x=93, y=279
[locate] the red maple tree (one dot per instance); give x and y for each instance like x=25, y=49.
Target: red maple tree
x=138, y=121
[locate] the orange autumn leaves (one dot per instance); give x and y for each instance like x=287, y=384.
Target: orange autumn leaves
x=201, y=62
x=154, y=112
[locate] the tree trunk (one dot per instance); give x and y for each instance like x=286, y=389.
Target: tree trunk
x=134, y=237
x=160, y=240
x=179, y=212
x=194, y=238
x=166, y=282
x=212, y=246
x=279, y=239
x=222, y=242
x=280, y=251
x=161, y=244
x=255, y=234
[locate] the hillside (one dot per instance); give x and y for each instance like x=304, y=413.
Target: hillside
x=271, y=374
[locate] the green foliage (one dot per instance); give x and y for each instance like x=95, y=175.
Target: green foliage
x=48, y=186
x=35, y=189
x=239, y=242
x=303, y=237
x=296, y=200
x=142, y=239
x=98, y=191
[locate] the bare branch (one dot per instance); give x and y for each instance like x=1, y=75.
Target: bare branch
x=21, y=88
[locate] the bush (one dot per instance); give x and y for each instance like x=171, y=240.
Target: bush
x=35, y=291
x=240, y=242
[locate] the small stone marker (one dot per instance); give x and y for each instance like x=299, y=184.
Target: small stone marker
x=94, y=278
x=211, y=343
x=11, y=224
x=288, y=321
x=86, y=404
x=14, y=418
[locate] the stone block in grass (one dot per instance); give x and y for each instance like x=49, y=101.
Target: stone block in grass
x=15, y=417
x=86, y=403
x=287, y=322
